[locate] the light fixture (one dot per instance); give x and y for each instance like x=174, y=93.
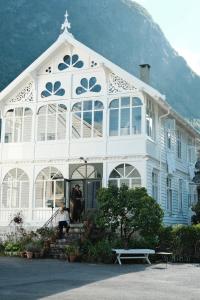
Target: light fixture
x=82, y=158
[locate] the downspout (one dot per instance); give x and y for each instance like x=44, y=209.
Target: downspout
x=160, y=158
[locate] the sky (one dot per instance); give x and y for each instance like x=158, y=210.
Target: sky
x=180, y=22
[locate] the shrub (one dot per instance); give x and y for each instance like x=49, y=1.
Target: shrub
x=99, y=252
x=129, y=211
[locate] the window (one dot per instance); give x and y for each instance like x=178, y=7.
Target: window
x=180, y=194
x=49, y=188
x=87, y=119
x=179, y=144
x=15, y=189
x=169, y=194
x=125, y=174
x=125, y=116
x=192, y=195
x=155, y=185
x=150, y=119
x=52, y=122
x=18, y=125
x=191, y=149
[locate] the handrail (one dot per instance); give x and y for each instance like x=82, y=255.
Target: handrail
x=50, y=220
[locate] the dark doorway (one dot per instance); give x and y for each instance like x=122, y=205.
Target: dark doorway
x=89, y=179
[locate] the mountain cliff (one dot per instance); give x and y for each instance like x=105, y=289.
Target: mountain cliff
x=120, y=30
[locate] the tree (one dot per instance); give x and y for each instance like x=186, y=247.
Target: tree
x=129, y=210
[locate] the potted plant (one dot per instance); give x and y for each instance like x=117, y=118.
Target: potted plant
x=38, y=249
x=30, y=248
x=72, y=252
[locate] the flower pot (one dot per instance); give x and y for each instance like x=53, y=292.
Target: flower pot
x=72, y=257
x=23, y=254
x=29, y=254
x=37, y=254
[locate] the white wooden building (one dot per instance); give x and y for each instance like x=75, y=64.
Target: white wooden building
x=74, y=117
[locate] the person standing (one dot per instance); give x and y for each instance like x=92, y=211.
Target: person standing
x=77, y=206
x=64, y=220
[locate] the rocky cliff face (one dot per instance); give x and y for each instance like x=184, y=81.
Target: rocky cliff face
x=120, y=30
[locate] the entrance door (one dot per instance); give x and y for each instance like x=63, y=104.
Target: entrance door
x=91, y=197
x=89, y=190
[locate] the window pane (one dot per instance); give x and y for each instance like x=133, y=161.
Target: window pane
x=114, y=121
x=52, y=108
x=27, y=111
x=49, y=192
x=24, y=194
x=135, y=182
x=98, y=105
x=136, y=101
x=87, y=124
x=42, y=110
x=128, y=170
x=39, y=194
x=41, y=128
x=10, y=113
x=125, y=121
x=114, y=174
x=77, y=107
x=19, y=112
x=112, y=182
x=61, y=126
x=59, y=193
x=87, y=105
x=136, y=120
x=51, y=127
x=27, y=134
x=120, y=169
x=124, y=182
x=76, y=125
x=125, y=101
x=18, y=130
x=98, y=123
x=15, y=194
x=8, y=130
x=114, y=103
x=62, y=108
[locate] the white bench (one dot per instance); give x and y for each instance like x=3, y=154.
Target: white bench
x=133, y=254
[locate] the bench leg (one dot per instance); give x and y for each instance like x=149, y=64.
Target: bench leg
x=147, y=259
x=119, y=260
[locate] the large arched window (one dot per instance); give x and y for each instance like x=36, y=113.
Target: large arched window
x=125, y=116
x=52, y=122
x=87, y=119
x=18, y=125
x=49, y=188
x=15, y=189
x=125, y=174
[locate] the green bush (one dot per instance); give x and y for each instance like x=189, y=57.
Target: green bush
x=182, y=240
x=128, y=211
x=101, y=252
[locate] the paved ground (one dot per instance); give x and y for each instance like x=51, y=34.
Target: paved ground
x=51, y=279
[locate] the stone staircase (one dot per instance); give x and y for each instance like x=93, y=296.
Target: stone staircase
x=57, y=249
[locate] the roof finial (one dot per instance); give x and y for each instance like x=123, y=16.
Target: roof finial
x=66, y=25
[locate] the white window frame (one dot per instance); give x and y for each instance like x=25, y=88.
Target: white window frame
x=119, y=109
x=179, y=144
x=125, y=177
x=92, y=111
x=180, y=194
x=53, y=182
x=14, y=189
x=150, y=119
x=169, y=195
x=155, y=185
x=46, y=116
x=22, y=118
